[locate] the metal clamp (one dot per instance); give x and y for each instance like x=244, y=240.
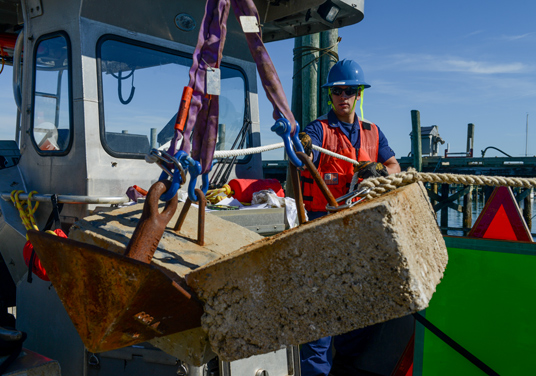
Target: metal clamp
x=349, y=197
x=194, y=168
x=180, y=161
x=164, y=161
x=282, y=127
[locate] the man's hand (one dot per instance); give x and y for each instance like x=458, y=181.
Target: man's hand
x=370, y=169
x=306, y=142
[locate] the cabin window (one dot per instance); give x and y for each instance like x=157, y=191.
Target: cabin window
x=141, y=89
x=51, y=122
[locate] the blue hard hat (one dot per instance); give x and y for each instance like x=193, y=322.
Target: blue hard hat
x=346, y=73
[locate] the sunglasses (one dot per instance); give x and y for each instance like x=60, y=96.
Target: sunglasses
x=348, y=91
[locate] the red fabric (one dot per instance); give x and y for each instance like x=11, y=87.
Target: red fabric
x=369, y=145
x=7, y=41
x=244, y=188
x=38, y=268
x=335, y=140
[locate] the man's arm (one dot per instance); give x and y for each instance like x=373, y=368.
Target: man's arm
x=316, y=132
x=392, y=165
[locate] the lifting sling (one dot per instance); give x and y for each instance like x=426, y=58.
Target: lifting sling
x=202, y=108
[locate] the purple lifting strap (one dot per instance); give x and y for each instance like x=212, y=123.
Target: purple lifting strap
x=269, y=78
x=203, y=112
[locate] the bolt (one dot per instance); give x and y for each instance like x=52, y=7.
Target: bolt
x=280, y=127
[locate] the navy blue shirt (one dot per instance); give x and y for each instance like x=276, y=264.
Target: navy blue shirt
x=351, y=131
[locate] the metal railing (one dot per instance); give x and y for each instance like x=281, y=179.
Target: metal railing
x=71, y=199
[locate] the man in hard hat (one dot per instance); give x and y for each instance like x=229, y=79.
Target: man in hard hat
x=342, y=132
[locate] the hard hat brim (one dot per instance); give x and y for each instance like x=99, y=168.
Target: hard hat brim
x=347, y=83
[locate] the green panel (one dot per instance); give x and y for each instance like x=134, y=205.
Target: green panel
x=486, y=302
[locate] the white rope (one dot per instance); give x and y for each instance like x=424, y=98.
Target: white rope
x=240, y=152
x=335, y=155
x=262, y=149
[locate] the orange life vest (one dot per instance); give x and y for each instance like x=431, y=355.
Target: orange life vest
x=337, y=173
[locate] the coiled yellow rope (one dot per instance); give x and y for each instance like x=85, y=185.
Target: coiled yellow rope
x=27, y=211
x=216, y=195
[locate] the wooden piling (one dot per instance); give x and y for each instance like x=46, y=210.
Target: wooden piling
x=327, y=39
x=527, y=209
x=220, y=144
x=416, y=147
x=296, y=105
x=445, y=211
x=309, y=79
x=434, y=189
x=487, y=193
x=470, y=138
x=467, y=221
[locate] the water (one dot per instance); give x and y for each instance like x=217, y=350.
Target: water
x=456, y=218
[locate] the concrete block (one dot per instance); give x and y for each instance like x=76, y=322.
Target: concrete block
x=371, y=263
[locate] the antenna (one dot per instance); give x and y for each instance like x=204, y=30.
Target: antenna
x=527, y=137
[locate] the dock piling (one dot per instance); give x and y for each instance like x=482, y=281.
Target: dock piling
x=416, y=145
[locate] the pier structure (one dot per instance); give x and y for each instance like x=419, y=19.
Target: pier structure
x=459, y=197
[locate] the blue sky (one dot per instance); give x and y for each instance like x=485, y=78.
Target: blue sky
x=457, y=62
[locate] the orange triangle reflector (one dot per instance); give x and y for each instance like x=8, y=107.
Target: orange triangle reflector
x=501, y=219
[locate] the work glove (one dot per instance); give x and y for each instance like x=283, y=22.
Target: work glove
x=370, y=169
x=306, y=142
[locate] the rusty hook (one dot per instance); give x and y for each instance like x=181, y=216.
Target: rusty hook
x=152, y=224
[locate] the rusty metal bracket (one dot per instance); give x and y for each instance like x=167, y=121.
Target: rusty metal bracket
x=201, y=216
x=114, y=301
x=152, y=224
